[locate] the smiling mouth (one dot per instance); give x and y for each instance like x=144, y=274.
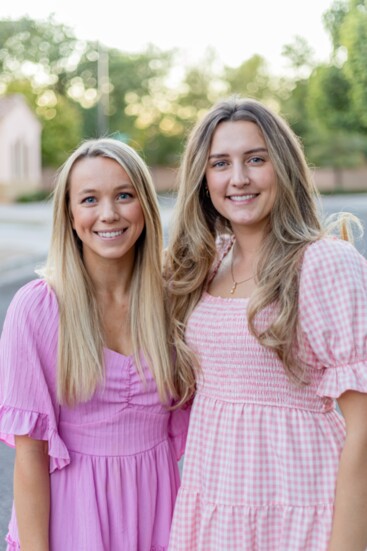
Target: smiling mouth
x=110, y=234
x=239, y=198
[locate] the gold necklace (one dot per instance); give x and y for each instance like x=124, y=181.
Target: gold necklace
x=235, y=283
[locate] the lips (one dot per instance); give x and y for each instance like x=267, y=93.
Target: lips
x=110, y=234
x=239, y=198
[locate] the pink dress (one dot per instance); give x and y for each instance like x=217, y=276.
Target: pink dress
x=262, y=455
x=113, y=460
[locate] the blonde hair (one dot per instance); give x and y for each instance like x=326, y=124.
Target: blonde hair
x=294, y=223
x=80, y=347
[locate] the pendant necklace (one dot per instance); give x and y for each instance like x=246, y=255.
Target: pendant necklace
x=236, y=283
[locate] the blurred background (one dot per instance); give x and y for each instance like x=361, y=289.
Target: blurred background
x=144, y=74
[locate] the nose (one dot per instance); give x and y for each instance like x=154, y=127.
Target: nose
x=109, y=212
x=239, y=174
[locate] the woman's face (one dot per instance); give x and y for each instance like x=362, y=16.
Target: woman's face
x=240, y=176
x=106, y=212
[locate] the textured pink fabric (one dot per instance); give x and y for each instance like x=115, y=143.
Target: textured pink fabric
x=262, y=454
x=113, y=459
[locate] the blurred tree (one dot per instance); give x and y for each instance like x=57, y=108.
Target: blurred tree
x=250, y=79
x=353, y=37
x=61, y=128
x=321, y=106
x=293, y=91
x=38, y=50
x=60, y=118
x=333, y=20
x=34, y=57
x=82, y=89
x=338, y=92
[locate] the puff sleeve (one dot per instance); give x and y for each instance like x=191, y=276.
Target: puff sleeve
x=333, y=315
x=28, y=352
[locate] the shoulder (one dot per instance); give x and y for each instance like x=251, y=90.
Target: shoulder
x=35, y=300
x=330, y=254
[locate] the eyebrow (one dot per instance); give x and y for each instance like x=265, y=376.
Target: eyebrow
x=248, y=152
x=121, y=187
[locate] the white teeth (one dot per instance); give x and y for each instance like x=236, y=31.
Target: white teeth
x=242, y=197
x=110, y=233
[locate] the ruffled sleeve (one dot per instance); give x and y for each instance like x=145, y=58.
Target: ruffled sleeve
x=178, y=427
x=333, y=315
x=28, y=351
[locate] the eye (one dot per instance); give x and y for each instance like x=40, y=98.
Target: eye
x=219, y=164
x=256, y=160
x=124, y=195
x=89, y=200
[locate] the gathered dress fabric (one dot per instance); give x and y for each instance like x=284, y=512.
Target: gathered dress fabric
x=113, y=459
x=262, y=454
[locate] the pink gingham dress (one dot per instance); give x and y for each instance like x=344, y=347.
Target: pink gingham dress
x=113, y=459
x=262, y=454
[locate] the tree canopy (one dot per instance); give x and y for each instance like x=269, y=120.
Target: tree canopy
x=82, y=89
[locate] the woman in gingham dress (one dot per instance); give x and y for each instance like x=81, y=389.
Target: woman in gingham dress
x=274, y=313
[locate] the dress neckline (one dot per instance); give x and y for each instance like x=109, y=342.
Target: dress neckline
x=114, y=352
x=222, y=254
x=225, y=299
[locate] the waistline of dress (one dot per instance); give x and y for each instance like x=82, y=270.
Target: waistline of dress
x=127, y=433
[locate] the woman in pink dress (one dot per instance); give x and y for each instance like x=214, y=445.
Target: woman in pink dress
x=274, y=309
x=87, y=383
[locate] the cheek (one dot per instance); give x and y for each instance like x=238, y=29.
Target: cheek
x=80, y=220
x=136, y=214
x=216, y=189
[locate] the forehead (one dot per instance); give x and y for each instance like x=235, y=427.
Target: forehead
x=98, y=170
x=230, y=133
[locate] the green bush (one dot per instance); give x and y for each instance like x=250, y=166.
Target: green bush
x=34, y=196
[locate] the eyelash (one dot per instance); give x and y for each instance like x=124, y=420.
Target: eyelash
x=90, y=200
x=221, y=164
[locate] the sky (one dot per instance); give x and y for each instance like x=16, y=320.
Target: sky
x=235, y=29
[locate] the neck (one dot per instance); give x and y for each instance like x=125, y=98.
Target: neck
x=247, y=247
x=111, y=278
x=249, y=239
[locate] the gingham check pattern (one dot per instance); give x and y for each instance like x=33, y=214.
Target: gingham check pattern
x=262, y=455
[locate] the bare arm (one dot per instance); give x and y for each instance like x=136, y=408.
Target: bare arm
x=32, y=493
x=349, y=531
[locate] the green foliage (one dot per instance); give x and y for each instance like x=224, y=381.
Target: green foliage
x=250, y=79
x=299, y=54
x=329, y=100
x=82, y=89
x=61, y=131
x=333, y=20
x=354, y=38
x=42, y=48
x=34, y=196
x=60, y=118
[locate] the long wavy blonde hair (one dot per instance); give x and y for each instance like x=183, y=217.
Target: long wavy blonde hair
x=80, y=347
x=294, y=223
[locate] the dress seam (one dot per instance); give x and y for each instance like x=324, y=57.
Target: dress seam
x=119, y=455
x=268, y=505
x=265, y=405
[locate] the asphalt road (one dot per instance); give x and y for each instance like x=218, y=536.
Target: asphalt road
x=357, y=204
